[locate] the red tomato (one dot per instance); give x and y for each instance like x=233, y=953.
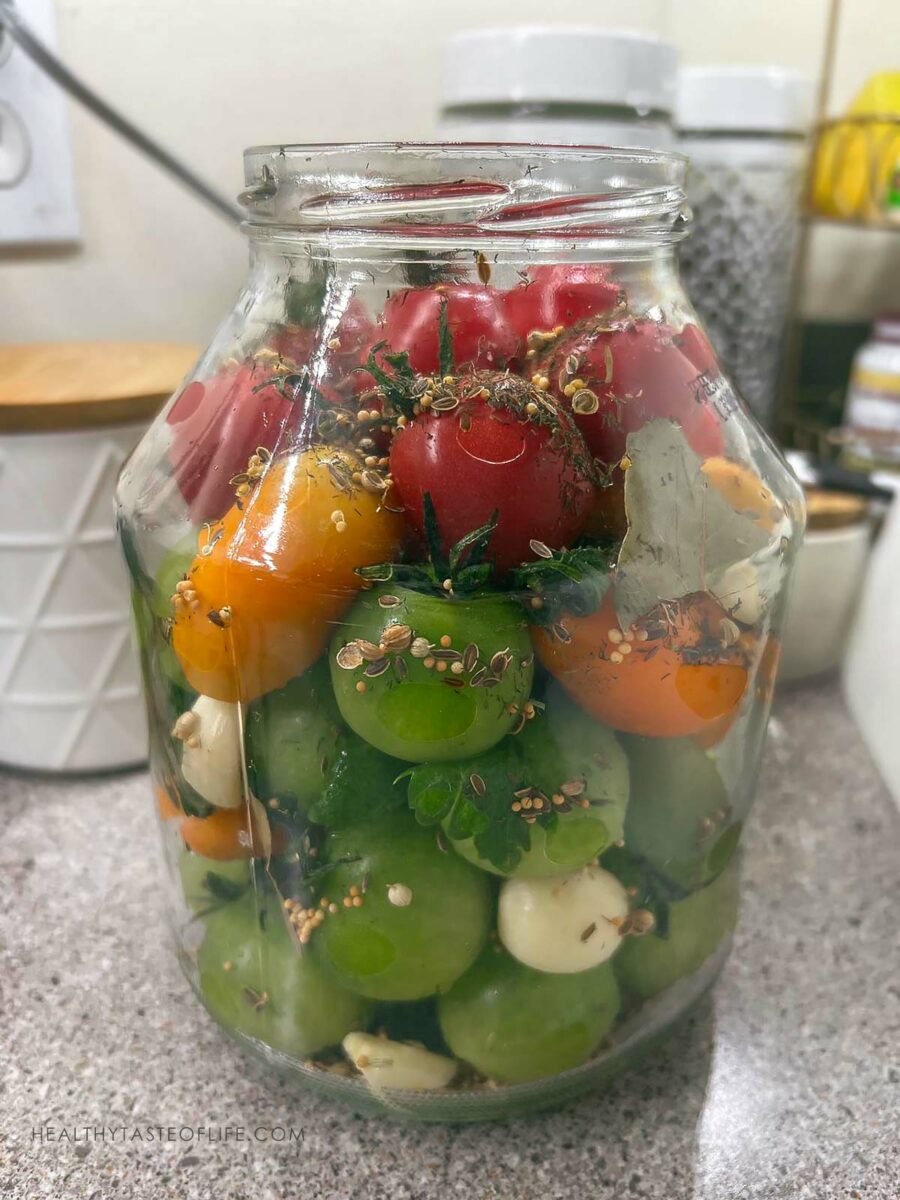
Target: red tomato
x=481, y=334
x=354, y=331
x=216, y=427
x=637, y=373
x=477, y=459
x=694, y=345
x=559, y=295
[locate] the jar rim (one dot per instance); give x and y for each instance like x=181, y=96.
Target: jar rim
x=492, y=191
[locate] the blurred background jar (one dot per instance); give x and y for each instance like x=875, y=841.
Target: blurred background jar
x=561, y=85
x=872, y=417
x=744, y=131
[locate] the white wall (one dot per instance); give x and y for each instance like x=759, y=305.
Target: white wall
x=209, y=77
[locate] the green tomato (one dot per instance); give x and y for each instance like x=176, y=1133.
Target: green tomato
x=696, y=925
x=150, y=613
x=679, y=814
x=422, y=713
x=270, y=990
x=425, y=913
x=293, y=737
x=207, y=882
x=515, y=1024
x=360, y=786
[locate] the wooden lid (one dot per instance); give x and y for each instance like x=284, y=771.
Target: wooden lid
x=834, y=510
x=80, y=385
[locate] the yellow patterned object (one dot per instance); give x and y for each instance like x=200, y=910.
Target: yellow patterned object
x=857, y=163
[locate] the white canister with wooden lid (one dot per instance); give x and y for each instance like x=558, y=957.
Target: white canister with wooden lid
x=70, y=414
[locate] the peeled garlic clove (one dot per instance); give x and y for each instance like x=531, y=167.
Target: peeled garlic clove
x=745, y=589
x=387, y=1064
x=212, y=764
x=563, y=924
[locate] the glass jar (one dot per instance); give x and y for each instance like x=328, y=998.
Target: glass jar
x=458, y=570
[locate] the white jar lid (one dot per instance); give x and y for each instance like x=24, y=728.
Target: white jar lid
x=758, y=99
x=564, y=64
x=887, y=327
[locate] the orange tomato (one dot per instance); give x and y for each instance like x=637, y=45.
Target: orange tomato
x=229, y=833
x=168, y=807
x=744, y=490
x=675, y=678
x=282, y=569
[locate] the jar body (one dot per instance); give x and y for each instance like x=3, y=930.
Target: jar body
x=459, y=581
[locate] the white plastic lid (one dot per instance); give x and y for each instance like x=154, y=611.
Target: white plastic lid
x=887, y=327
x=761, y=99
x=569, y=64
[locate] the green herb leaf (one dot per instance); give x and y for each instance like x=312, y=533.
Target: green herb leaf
x=444, y=792
x=396, y=388
x=472, y=548
x=222, y=888
x=681, y=530
x=304, y=299
x=569, y=582
x=433, y=537
x=445, y=339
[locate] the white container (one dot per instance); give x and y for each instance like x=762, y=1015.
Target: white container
x=873, y=397
x=828, y=580
x=744, y=130
x=871, y=670
x=562, y=85
x=70, y=696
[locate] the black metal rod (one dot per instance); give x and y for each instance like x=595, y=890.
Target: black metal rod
x=60, y=74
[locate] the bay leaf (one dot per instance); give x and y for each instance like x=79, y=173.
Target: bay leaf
x=682, y=532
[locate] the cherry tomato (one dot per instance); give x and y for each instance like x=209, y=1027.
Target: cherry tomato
x=428, y=709
x=636, y=372
x=626, y=377
x=675, y=679
x=559, y=295
x=282, y=567
x=480, y=332
x=483, y=456
x=744, y=491
x=229, y=834
x=216, y=426
x=336, y=377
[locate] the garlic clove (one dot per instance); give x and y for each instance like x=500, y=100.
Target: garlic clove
x=563, y=924
x=211, y=757
x=387, y=1064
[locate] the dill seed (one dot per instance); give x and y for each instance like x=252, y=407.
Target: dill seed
x=478, y=784
x=389, y=602
x=470, y=657
x=349, y=657
x=369, y=650
x=585, y=402
x=540, y=549
x=378, y=667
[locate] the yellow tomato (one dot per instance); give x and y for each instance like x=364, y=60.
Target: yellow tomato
x=273, y=575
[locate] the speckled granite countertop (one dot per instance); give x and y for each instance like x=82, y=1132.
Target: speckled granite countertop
x=785, y=1085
